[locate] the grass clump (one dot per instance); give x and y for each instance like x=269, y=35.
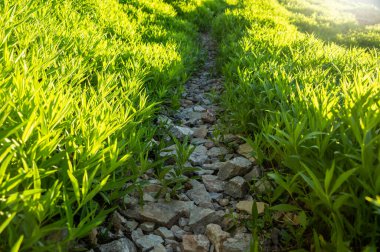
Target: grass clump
x=313, y=112
x=80, y=83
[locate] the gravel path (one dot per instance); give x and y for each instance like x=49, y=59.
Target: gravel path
x=209, y=212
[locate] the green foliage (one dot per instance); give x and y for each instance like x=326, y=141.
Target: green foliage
x=79, y=85
x=351, y=23
x=313, y=111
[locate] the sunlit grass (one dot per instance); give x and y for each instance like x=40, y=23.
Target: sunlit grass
x=351, y=23
x=313, y=112
x=79, y=86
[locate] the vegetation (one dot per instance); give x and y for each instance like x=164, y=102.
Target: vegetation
x=80, y=83
x=312, y=110
x=82, y=80
x=350, y=23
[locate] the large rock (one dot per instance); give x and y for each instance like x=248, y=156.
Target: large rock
x=195, y=243
x=212, y=183
x=200, y=196
x=181, y=132
x=162, y=213
x=198, y=156
x=234, y=167
x=236, y=187
x=121, y=245
x=147, y=242
x=200, y=217
x=217, y=236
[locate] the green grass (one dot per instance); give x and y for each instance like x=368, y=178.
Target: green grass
x=80, y=84
x=349, y=23
x=312, y=110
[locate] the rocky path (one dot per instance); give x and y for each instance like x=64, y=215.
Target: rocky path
x=208, y=213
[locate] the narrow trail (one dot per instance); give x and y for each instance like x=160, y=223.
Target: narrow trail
x=208, y=214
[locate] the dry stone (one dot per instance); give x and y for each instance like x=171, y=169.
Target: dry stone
x=121, y=245
x=217, y=236
x=195, y=243
x=236, y=187
x=234, y=167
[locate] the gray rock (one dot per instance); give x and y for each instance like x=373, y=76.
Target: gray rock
x=137, y=234
x=217, y=236
x=200, y=196
x=183, y=222
x=213, y=166
x=162, y=213
x=239, y=243
x=198, y=157
x=246, y=151
x=121, y=245
x=147, y=226
x=201, y=172
x=118, y=221
x=159, y=248
x=147, y=242
x=212, y=183
x=198, y=108
x=147, y=197
x=130, y=201
x=217, y=151
x=200, y=217
x=199, y=141
x=224, y=202
x=131, y=225
x=164, y=233
x=263, y=186
x=235, y=167
x=198, y=243
x=201, y=132
x=178, y=232
x=181, y=132
x=254, y=173
x=236, y=187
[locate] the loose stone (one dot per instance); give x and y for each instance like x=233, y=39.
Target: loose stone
x=212, y=183
x=147, y=242
x=235, y=167
x=217, y=236
x=198, y=243
x=236, y=187
x=121, y=245
x=200, y=217
x=217, y=152
x=164, y=233
x=198, y=157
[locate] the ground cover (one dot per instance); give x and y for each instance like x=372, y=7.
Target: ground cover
x=312, y=110
x=80, y=83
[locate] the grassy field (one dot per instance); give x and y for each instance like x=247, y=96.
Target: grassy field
x=80, y=84
x=313, y=112
x=349, y=23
